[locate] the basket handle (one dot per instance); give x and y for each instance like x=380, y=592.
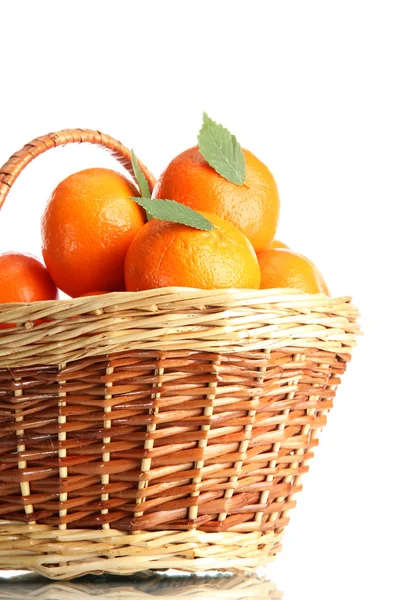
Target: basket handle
x=18, y=161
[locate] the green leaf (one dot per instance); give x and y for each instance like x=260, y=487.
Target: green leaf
x=169, y=210
x=141, y=179
x=222, y=151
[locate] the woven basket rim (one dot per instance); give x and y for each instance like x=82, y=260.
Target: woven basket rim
x=56, y=332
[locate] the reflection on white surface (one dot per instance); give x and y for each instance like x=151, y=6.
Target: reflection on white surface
x=169, y=586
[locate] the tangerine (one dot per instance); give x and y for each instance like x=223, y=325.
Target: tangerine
x=253, y=207
x=87, y=227
x=24, y=279
x=164, y=254
x=283, y=268
x=95, y=293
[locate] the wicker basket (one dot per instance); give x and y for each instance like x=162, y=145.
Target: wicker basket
x=160, y=429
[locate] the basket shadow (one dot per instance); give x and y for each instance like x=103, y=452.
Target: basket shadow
x=168, y=585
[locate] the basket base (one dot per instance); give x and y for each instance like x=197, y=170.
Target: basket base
x=69, y=553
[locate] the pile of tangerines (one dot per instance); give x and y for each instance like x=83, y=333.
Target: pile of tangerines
x=96, y=239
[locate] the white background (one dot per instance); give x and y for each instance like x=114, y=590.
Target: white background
x=312, y=89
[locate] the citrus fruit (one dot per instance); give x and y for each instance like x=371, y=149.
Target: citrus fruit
x=163, y=254
x=24, y=279
x=253, y=207
x=279, y=244
x=87, y=227
x=283, y=268
x=96, y=293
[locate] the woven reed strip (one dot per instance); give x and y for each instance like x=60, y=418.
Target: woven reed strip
x=18, y=161
x=244, y=444
x=175, y=318
x=276, y=448
x=202, y=443
x=144, y=586
x=106, y=457
x=148, y=444
x=64, y=554
x=275, y=516
x=24, y=485
x=156, y=300
x=62, y=452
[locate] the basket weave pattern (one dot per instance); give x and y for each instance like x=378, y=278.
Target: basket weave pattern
x=173, y=426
